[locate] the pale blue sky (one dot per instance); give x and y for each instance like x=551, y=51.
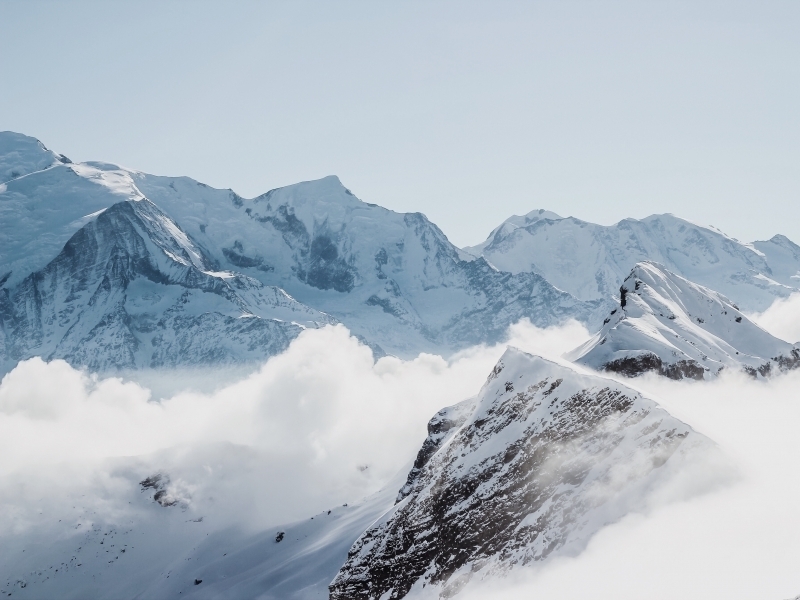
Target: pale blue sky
x=465, y=111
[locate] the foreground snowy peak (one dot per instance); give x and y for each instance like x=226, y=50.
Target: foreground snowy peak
x=21, y=155
x=667, y=324
x=130, y=289
x=532, y=468
x=589, y=260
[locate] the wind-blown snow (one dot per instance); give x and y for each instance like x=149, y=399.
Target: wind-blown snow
x=782, y=319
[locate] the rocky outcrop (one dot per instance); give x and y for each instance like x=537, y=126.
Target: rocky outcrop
x=543, y=459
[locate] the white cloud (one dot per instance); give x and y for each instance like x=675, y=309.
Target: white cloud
x=782, y=319
x=319, y=425
x=290, y=439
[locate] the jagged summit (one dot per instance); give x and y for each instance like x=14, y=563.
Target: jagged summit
x=532, y=468
x=589, y=260
x=670, y=325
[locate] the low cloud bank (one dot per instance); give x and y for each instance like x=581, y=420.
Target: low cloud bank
x=319, y=425
x=324, y=424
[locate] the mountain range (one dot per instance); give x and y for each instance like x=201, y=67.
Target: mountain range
x=110, y=268
x=151, y=291
x=589, y=261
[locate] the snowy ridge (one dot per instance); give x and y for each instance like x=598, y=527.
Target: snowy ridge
x=394, y=279
x=546, y=457
x=589, y=260
x=667, y=324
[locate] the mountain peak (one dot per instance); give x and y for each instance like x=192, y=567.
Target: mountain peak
x=21, y=155
x=325, y=189
x=589, y=260
x=502, y=479
x=668, y=324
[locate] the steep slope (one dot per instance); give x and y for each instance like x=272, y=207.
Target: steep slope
x=40, y=212
x=532, y=468
x=589, y=260
x=667, y=324
x=130, y=289
x=393, y=278
x=131, y=545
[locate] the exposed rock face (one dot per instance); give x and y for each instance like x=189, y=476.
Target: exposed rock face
x=588, y=260
x=669, y=325
x=545, y=458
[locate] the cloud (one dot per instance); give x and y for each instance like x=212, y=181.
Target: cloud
x=782, y=319
x=324, y=424
x=319, y=425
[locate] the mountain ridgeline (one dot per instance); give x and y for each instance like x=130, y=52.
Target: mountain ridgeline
x=111, y=268
x=530, y=469
x=669, y=325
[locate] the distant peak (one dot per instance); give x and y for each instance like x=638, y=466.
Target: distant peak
x=534, y=216
x=21, y=155
x=327, y=190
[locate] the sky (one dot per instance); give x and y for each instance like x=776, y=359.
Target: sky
x=466, y=111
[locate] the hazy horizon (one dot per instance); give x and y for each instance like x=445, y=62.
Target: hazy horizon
x=465, y=112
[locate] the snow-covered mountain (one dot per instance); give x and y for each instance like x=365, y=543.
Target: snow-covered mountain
x=21, y=155
x=130, y=289
x=667, y=324
x=589, y=260
x=394, y=279
x=532, y=468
